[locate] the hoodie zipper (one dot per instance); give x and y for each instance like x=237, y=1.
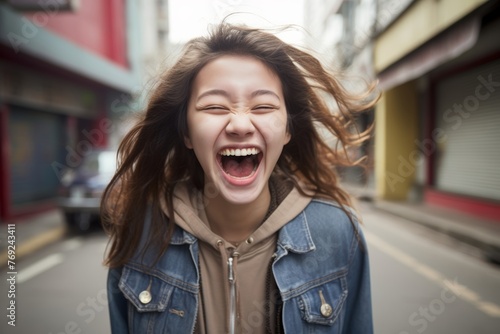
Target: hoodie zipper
x=232, y=296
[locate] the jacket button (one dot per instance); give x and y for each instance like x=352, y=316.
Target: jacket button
x=326, y=310
x=145, y=297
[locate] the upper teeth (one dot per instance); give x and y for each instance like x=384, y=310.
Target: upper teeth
x=239, y=152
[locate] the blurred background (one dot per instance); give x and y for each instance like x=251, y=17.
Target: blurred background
x=74, y=72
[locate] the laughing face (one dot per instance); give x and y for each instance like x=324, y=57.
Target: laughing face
x=237, y=124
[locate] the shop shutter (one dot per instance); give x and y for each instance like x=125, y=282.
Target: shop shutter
x=36, y=140
x=467, y=161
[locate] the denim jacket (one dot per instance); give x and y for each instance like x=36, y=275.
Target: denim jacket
x=321, y=269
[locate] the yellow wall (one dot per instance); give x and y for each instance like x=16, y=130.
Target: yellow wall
x=396, y=128
x=422, y=21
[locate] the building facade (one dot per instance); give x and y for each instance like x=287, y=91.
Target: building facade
x=68, y=70
x=438, y=119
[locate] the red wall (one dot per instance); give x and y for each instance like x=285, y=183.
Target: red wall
x=472, y=206
x=98, y=26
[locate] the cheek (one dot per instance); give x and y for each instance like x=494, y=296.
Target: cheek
x=274, y=129
x=203, y=131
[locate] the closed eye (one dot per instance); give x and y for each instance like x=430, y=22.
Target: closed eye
x=214, y=109
x=264, y=108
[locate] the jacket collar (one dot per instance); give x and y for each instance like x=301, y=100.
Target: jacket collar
x=295, y=237
x=180, y=237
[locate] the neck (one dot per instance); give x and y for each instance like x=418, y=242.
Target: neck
x=236, y=222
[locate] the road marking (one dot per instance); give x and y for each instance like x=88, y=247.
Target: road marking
x=39, y=267
x=35, y=243
x=462, y=292
x=72, y=244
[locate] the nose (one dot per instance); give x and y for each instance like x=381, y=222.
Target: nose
x=240, y=125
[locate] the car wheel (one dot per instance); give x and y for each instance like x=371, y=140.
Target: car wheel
x=79, y=222
x=83, y=220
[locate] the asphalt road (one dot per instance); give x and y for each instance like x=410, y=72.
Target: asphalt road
x=424, y=282
x=421, y=283
x=60, y=290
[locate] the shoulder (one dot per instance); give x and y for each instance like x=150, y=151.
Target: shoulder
x=330, y=212
x=328, y=218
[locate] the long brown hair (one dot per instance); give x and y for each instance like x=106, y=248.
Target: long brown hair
x=153, y=157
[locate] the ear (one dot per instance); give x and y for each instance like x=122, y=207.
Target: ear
x=187, y=142
x=288, y=136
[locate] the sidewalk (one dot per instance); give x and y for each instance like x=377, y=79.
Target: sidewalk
x=480, y=233
x=32, y=233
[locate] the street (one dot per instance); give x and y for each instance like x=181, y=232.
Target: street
x=421, y=283
x=424, y=282
x=61, y=289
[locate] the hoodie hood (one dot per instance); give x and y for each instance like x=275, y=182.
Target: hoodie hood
x=190, y=213
x=236, y=278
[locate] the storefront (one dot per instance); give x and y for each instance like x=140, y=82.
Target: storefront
x=438, y=119
x=43, y=118
x=66, y=79
x=463, y=170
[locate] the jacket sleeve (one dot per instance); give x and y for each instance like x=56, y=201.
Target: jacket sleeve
x=359, y=306
x=117, y=303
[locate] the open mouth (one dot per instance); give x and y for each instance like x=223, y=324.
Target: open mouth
x=239, y=163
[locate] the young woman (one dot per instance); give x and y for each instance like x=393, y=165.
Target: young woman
x=226, y=214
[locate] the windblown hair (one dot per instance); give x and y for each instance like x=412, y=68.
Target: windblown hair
x=153, y=157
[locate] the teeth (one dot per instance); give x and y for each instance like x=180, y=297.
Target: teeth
x=239, y=152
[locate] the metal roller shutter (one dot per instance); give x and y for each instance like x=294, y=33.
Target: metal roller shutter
x=36, y=140
x=468, y=111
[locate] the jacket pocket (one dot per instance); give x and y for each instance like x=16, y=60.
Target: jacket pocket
x=322, y=305
x=146, y=293
x=156, y=305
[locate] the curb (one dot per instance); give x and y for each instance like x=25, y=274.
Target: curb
x=485, y=236
x=35, y=243
x=482, y=234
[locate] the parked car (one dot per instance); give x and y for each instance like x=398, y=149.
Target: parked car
x=83, y=187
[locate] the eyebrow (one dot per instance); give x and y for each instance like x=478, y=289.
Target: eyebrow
x=214, y=92
x=226, y=94
x=264, y=92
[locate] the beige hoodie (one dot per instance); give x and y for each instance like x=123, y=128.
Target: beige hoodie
x=252, y=283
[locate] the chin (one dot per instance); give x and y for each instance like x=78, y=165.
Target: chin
x=238, y=194
x=240, y=197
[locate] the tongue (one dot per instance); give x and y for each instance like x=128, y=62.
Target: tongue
x=239, y=169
